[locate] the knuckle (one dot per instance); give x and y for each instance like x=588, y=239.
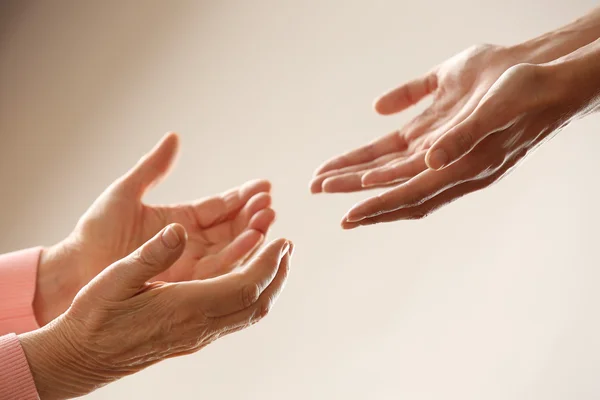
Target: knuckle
x=249, y=294
x=481, y=47
x=464, y=140
x=523, y=70
x=530, y=76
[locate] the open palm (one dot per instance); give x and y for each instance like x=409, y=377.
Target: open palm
x=457, y=85
x=223, y=230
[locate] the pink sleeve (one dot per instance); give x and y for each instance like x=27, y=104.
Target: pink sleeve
x=18, y=274
x=16, y=381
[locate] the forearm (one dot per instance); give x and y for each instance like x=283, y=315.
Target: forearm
x=56, y=284
x=560, y=42
x=55, y=372
x=579, y=74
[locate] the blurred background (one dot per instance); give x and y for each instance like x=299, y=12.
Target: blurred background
x=493, y=297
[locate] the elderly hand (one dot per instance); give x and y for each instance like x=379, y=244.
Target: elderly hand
x=223, y=230
x=120, y=323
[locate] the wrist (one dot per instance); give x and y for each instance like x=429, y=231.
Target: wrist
x=57, y=371
x=578, y=77
x=57, y=282
x=558, y=43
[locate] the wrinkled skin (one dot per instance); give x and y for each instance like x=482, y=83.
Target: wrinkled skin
x=120, y=324
x=224, y=231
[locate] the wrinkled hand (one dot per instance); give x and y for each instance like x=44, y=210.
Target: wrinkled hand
x=120, y=324
x=223, y=230
x=526, y=106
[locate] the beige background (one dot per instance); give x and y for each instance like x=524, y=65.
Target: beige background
x=494, y=297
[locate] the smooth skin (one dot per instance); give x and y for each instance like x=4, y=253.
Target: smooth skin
x=492, y=105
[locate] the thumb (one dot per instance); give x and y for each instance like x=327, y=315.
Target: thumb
x=406, y=95
x=124, y=278
x=489, y=117
x=152, y=166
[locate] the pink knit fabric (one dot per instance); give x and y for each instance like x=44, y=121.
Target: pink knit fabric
x=16, y=382
x=18, y=273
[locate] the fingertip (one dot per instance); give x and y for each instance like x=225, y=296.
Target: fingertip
x=379, y=105
x=385, y=104
x=285, y=250
x=174, y=236
x=257, y=186
x=315, y=186
x=354, y=216
x=347, y=225
x=260, y=201
x=171, y=142
x=279, y=246
x=180, y=230
x=274, y=246
x=266, y=185
x=284, y=266
x=171, y=135
x=262, y=220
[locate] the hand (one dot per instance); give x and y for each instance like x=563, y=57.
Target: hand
x=224, y=230
x=462, y=87
x=526, y=106
x=120, y=324
x=458, y=85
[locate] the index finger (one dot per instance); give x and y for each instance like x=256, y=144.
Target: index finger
x=390, y=143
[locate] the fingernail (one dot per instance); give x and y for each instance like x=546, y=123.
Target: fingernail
x=438, y=159
x=353, y=219
x=284, y=250
x=171, y=238
x=347, y=226
x=365, y=183
x=291, y=249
